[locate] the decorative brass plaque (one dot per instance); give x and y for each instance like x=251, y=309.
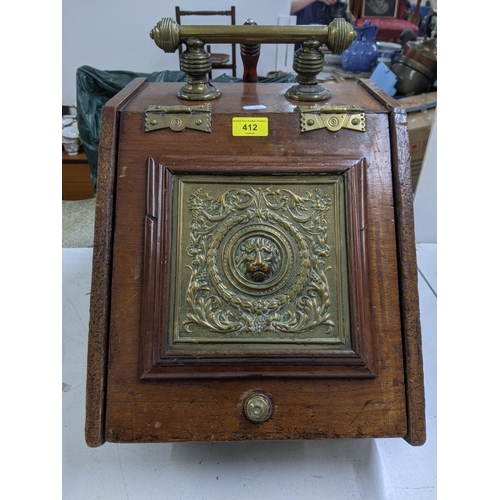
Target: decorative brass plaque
x=259, y=262
x=178, y=118
x=333, y=118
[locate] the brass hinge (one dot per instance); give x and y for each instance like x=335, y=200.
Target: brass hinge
x=332, y=117
x=177, y=118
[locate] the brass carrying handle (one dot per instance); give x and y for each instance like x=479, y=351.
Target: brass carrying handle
x=337, y=36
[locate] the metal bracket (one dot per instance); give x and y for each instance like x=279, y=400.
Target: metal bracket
x=177, y=118
x=332, y=117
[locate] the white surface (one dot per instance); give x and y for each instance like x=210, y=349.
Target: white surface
x=371, y=469
x=425, y=202
x=114, y=35
x=427, y=264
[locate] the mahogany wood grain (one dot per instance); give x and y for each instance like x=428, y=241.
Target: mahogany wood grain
x=250, y=54
x=407, y=264
x=123, y=408
x=160, y=361
x=102, y=266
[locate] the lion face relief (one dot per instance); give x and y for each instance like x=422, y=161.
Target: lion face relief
x=258, y=259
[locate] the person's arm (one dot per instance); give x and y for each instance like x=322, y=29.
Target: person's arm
x=300, y=4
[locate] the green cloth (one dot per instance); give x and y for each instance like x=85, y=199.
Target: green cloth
x=94, y=88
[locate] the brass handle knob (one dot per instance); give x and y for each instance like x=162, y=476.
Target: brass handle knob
x=337, y=36
x=258, y=408
x=308, y=62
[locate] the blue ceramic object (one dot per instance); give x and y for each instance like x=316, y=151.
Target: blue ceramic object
x=362, y=55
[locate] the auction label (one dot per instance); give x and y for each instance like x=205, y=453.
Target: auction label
x=248, y=126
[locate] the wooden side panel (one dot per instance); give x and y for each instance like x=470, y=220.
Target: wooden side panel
x=101, y=265
x=407, y=264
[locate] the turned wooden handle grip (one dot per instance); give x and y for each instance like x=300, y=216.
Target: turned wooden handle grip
x=250, y=56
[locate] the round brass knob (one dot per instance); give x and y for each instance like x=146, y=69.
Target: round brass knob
x=258, y=408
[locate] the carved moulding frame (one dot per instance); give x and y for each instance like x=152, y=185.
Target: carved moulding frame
x=161, y=360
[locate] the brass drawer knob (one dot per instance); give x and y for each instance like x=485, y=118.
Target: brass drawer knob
x=258, y=408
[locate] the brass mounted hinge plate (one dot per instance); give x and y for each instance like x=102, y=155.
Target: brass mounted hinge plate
x=332, y=118
x=178, y=118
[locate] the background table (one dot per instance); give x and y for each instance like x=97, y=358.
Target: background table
x=374, y=469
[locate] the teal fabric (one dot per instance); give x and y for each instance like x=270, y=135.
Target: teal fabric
x=94, y=88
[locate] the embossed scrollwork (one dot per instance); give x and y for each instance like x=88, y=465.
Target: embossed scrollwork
x=258, y=262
